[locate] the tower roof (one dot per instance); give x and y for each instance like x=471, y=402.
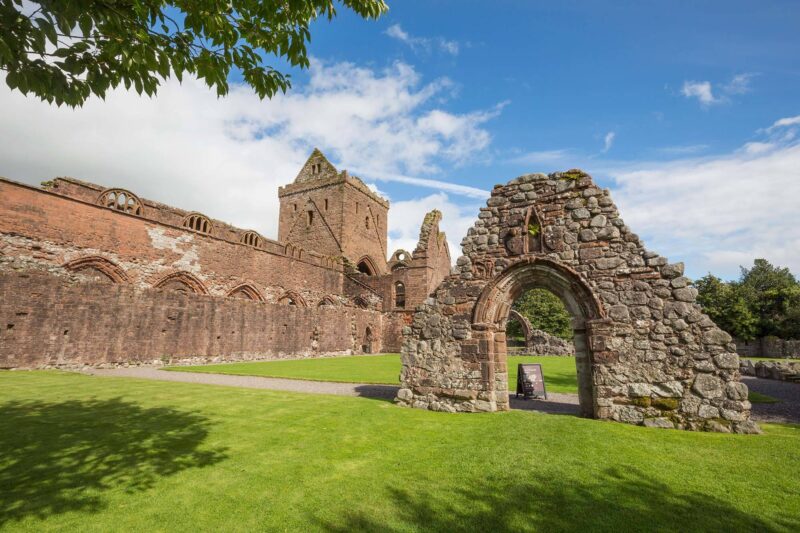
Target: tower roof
x=316, y=167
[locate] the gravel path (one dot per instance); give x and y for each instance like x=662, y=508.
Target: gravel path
x=786, y=411
x=253, y=382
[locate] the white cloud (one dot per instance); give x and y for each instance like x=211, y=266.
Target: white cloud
x=226, y=157
x=686, y=149
x=704, y=91
x=608, y=140
x=784, y=123
x=548, y=157
x=717, y=212
x=405, y=219
x=395, y=31
x=700, y=90
x=739, y=84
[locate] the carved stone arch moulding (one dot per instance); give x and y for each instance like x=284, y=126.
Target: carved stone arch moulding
x=366, y=265
x=100, y=264
x=246, y=291
x=121, y=200
x=292, y=298
x=500, y=293
x=181, y=282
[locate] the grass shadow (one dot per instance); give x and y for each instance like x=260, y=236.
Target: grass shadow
x=614, y=501
x=60, y=457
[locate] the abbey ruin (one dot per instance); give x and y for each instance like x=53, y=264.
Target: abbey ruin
x=98, y=276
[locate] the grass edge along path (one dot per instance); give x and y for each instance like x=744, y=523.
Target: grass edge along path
x=384, y=369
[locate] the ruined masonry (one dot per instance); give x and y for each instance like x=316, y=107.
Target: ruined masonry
x=91, y=275
x=645, y=353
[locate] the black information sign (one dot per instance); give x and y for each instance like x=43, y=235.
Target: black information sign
x=530, y=381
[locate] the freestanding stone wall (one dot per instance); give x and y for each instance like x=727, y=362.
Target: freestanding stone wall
x=645, y=353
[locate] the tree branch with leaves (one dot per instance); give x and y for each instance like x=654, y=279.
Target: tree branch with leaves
x=64, y=51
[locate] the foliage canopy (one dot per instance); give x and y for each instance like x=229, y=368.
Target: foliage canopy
x=545, y=311
x=65, y=51
x=764, y=301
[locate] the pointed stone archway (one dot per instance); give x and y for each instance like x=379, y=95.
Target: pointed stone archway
x=645, y=352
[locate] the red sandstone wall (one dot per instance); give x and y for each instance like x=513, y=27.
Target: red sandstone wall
x=55, y=229
x=51, y=320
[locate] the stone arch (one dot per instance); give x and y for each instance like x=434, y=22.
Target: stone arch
x=646, y=353
x=367, y=266
x=292, y=298
x=121, y=200
x=183, y=282
x=361, y=302
x=198, y=222
x=523, y=322
x=327, y=300
x=251, y=238
x=399, y=294
x=493, y=309
x=368, y=346
x=246, y=291
x=105, y=267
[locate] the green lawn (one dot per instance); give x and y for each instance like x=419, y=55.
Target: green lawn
x=84, y=453
x=757, y=397
x=559, y=372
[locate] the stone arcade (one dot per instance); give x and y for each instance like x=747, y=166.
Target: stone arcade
x=645, y=353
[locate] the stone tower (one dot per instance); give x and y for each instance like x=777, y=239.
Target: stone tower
x=334, y=213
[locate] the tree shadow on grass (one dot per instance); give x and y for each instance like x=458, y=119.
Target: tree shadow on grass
x=613, y=501
x=59, y=457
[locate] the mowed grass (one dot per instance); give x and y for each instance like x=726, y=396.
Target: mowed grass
x=83, y=453
x=559, y=372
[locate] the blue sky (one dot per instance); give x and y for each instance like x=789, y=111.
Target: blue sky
x=687, y=111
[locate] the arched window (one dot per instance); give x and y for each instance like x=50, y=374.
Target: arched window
x=365, y=266
x=197, y=222
x=251, y=238
x=182, y=282
x=292, y=298
x=121, y=200
x=399, y=294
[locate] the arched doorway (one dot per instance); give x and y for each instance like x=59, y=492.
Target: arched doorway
x=368, y=345
x=367, y=266
x=494, y=307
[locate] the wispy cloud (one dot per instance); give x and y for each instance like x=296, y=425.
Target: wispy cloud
x=706, y=95
x=721, y=211
x=608, y=141
x=687, y=149
x=427, y=44
x=700, y=90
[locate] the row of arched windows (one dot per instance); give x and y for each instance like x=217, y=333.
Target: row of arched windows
x=103, y=269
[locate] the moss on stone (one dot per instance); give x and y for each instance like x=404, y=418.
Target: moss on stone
x=641, y=401
x=666, y=404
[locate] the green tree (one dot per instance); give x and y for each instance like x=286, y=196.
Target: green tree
x=725, y=305
x=772, y=295
x=545, y=311
x=63, y=51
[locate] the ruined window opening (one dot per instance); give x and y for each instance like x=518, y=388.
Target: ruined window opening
x=310, y=218
x=197, y=222
x=365, y=268
x=295, y=207
x=121, y=200
x=326, y=204
x=399, y=294
x=251, y=238
x=357, y=207
x=366, y=222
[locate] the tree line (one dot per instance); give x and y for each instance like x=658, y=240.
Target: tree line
x=764, y=301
